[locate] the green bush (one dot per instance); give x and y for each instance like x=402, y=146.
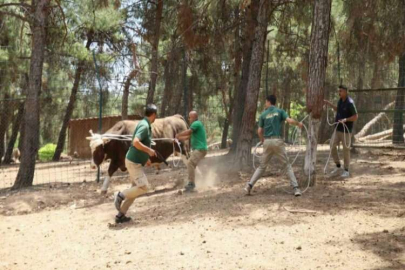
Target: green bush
x=46, y=152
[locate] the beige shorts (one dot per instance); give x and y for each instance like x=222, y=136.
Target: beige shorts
x=136, y=174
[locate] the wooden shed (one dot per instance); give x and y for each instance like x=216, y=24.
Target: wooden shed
x=79, y=130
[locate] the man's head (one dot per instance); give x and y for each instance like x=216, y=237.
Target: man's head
x=192, y=116
x=150, y=112
x=342, y=91
x=271, y=100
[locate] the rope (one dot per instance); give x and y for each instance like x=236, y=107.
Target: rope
x=174, y=149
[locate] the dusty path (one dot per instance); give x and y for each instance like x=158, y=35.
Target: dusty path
x=356, y=224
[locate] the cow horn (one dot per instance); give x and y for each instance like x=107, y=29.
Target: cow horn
x=89, y=138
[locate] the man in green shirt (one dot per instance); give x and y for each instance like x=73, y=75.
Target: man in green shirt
x=269, y=132
x=198, y=145
x=137, y=156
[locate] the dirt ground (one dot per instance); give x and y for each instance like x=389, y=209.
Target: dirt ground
x=354, y=224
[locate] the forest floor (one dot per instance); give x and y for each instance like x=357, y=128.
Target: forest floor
x=358, y=223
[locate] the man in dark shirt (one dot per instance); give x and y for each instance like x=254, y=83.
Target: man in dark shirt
x=346, y=115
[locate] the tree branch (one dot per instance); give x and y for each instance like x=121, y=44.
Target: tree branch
x=64, y=21
x=14, y=15
x=15, y=4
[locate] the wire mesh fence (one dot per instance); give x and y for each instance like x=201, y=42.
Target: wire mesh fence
x=61, y=172
x=381, y=121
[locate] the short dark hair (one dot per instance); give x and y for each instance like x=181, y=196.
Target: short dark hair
x=272, y=99
x=342, y=87
x=150, y=109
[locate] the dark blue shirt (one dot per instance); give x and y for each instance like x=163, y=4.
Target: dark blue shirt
x=345, y=109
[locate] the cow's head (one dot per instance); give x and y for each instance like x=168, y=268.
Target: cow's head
x=97, y=148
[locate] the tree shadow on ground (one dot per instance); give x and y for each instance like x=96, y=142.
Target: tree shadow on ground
x=225, y=199
x=228, y=204
x=388, y=245
x=45, y=197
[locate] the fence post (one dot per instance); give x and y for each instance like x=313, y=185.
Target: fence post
x=100, y=112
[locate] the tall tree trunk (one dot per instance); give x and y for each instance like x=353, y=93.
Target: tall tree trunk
x=5, y=106
x=236, y=79
x=22, y=134
x=224, y=139
x=325, y=130
x=14, y=133
x=155, y=54
x=184, y=84
x=175, y=93
x=131, y=75
x=22, y=126
x=243, y=156
x=240, y=94
x=398, y=132
x=193, y=85
x=26, y=171
x=125, y=95
x=318, y=59
x=286, y=99
x=71, y=105
x=167, y=92
x=228, y=107
x=4, y=121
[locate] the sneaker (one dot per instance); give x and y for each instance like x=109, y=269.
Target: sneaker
x=248, y=188
x=189, y=187
x=345, y=174
x=297, y=192
x=122, y=219
x=336, y=171
x=118, y=199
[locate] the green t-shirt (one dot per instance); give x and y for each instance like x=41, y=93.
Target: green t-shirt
x=198, y=137
x=271, y=121
x=143, y=132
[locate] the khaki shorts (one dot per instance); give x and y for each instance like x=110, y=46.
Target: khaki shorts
x=136, y=174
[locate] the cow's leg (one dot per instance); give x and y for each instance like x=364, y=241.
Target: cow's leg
x=111, y=170
x=105, y=185
x=93, y=165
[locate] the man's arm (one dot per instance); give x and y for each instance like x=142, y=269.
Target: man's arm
x=350, y=119
x=354, y=116
x=294, y=122
x=141, y=147
x=327, y=102
x=185, y=135
x=260, y=133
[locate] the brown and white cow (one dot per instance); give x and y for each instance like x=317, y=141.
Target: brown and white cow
x=116, y=150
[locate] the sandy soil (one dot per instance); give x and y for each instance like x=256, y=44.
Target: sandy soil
x=353, y=224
